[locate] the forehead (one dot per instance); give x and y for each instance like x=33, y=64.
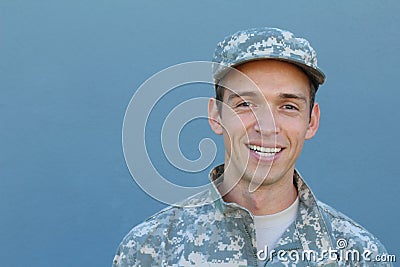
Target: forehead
x=267, y=76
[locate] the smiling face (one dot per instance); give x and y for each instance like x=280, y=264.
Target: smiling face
x=264, y=123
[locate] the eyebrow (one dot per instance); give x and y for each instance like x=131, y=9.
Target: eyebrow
x=234, y=95
x=293, y=96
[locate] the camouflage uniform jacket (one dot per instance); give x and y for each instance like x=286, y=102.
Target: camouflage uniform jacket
x=216, y=233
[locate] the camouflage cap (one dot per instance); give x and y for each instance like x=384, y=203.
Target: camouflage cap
x=266, y=43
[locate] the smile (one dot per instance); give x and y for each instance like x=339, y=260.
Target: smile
x=265, y=151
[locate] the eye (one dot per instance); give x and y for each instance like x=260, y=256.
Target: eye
x=244, y=104
x=290, y=107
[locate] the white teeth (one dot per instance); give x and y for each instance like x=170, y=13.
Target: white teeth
x=265, y=154
x=267, y=151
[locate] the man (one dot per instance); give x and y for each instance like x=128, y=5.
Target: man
x=266, y=215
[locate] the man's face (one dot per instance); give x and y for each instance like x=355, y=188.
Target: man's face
x=264, y=123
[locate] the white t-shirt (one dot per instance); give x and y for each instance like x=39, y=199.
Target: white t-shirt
x=269, y=228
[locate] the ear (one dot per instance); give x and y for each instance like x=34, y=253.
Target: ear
x=214, y=118
x=314, y=122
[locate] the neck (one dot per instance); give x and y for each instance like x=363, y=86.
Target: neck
x=267, y=199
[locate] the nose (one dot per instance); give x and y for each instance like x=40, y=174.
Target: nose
x=265, y=122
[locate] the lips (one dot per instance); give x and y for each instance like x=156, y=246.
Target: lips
x=265, y=151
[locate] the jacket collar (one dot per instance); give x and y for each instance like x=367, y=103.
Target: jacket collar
x=309, y=231
x=310, y=228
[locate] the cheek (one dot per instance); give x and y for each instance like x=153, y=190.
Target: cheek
x=296, y=131
x=237, y=123
x=235, y=130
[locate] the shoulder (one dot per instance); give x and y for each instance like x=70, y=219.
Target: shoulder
x=347, y=234
x=162, y=233
x=144, y=239
x=170, y=218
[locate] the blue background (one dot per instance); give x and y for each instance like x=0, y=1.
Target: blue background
x=69, y=68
